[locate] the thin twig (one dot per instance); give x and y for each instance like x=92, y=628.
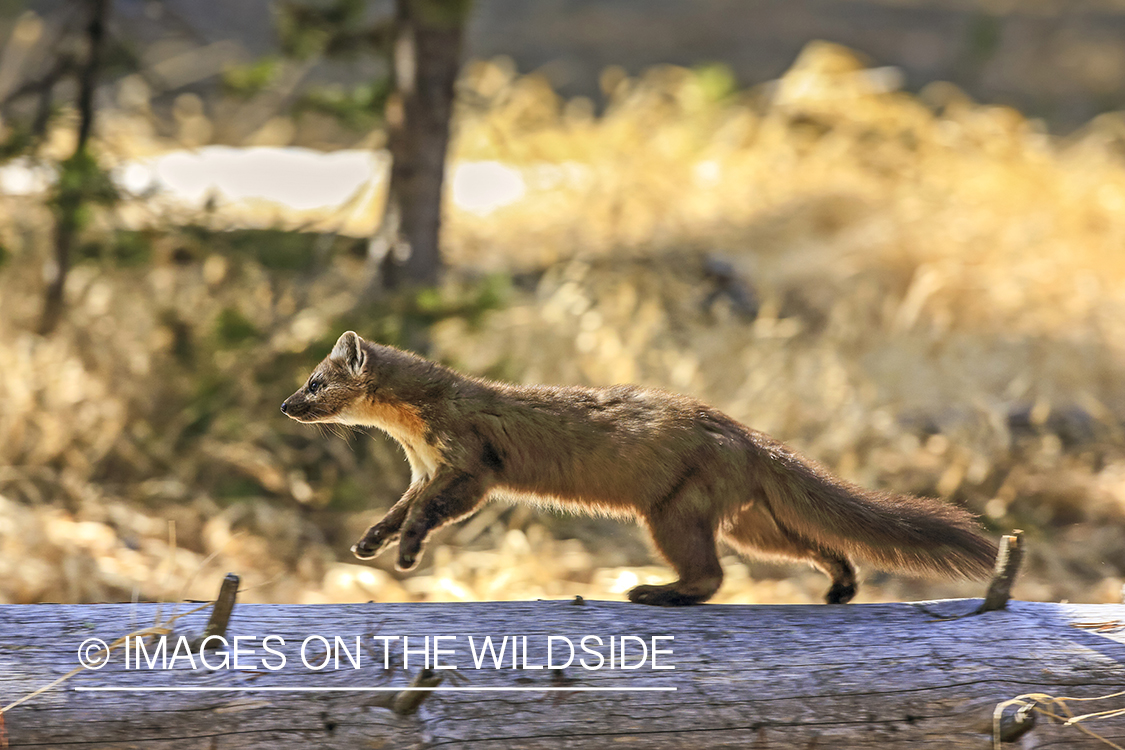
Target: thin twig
x=162, y=629
x=1032, y=701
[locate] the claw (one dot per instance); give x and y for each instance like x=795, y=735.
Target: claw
x=363, y=553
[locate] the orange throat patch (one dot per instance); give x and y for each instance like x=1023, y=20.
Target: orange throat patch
x=403, y=423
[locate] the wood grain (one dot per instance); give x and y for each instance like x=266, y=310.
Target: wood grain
x=758, y=676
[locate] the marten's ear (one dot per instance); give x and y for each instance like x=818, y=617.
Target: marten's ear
x=349, y=351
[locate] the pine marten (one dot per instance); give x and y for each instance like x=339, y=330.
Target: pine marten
x=686, y=471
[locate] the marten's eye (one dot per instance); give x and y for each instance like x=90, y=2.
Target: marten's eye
x=313, y=387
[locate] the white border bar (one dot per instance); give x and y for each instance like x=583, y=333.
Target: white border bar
x=277, y=689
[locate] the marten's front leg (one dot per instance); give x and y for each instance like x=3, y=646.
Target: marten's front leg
x=386, y=531
x=451, y=495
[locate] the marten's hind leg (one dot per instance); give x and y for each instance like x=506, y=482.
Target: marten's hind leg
x=842, y=573
x=755, y=530
x=687, y=541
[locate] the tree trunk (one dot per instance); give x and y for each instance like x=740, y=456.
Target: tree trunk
x=426, y=57
x=854, y=676
x=69, y=205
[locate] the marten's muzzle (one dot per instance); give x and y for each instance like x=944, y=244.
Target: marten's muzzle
x=296, y=407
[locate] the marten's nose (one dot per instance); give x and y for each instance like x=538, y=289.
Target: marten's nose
x=284, y=407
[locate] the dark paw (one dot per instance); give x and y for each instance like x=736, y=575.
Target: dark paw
x=406, y=561
x=363, y=552
x=410, y=546
x=372, y=544
x=661, y=596
x=840, y=593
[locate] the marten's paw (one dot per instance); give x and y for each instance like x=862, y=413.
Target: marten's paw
x=409, y=549
x=373, y=542
x=363, y=552
x=406, y=560
x=411, y=540
x=663, y=596
x=840, y=593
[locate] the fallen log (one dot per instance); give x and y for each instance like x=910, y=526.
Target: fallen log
x=759, y=676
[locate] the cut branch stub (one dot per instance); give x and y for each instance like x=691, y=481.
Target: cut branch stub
x=221, y=612
x=1008, y=561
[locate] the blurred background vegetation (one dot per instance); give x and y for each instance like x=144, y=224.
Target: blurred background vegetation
x=905, y=258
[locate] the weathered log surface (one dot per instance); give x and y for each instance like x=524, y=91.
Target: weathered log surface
x=866, y=675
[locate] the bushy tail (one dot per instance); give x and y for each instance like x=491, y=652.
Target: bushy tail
x=897, y=532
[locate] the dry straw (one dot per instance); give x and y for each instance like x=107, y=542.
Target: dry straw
x=1038, y=701
x=942, y=306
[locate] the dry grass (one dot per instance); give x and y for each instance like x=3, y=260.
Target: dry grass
x=942, y=291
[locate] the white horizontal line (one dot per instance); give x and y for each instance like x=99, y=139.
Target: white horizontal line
x=368, y=689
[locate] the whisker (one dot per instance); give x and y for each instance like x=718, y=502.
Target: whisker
x=341, y=432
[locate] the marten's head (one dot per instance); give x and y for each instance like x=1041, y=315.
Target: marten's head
x=335, y=387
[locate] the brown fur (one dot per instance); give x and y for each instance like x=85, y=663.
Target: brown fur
x=686, y=471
